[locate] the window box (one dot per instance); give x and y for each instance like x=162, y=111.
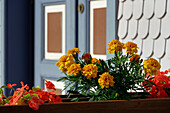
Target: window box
x=150, y=105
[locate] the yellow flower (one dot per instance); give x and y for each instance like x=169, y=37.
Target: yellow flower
x=135, y=57
x=106, y=80
x=115, y=45
x=73, y=51
x=94, y=60
x=74, y=69
x=130, y=48
x=90, y=71
x=65, y=62
x=151, y=66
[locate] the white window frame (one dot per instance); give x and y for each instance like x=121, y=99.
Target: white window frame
x=52, y=9
x=93, y=5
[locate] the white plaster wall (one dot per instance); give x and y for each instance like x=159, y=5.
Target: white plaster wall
x=147, y=23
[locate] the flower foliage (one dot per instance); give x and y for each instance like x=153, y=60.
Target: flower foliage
x=111, y=79
x=33, y=97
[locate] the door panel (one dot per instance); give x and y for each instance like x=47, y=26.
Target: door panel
x=86, y=40
x=44, y=66
x=46, y=55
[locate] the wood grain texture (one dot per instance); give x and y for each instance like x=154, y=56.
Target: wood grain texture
x=111, y=106
x=54, y=42
x=99, y=43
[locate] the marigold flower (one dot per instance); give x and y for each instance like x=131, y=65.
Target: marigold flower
x=151, y=66
x=106, y=80
x=95, y=60
x=73, y=51
x=115, y=45
x=86, y=57
x=65, y=62
x=130, y=48
x=135, y=58
x=90, y=71
x=74, y=69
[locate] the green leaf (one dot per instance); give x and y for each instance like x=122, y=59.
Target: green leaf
x=4, y=86
x=75, y=99
x=91, y=99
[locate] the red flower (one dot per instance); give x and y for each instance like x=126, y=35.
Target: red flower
x=86, y=57
x=10, y=86
x=31, y=92
x=49, y=85
x=34, y=103
x=52, y=99
x=22, y=84
x=162, y=83
x=58, y=99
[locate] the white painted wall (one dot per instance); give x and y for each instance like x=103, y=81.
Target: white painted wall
x=147, y=23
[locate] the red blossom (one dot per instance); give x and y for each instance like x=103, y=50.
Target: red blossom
x=22, y=84
x=162, y=83
x=10, y=86
x=34, y=103
x=49, y=85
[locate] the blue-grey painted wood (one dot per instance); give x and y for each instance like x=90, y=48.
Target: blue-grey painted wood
x=111, y=26
x=46, y=69
x=2, y=44
x=83, y=27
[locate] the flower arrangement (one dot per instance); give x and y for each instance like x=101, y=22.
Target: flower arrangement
x=33, y=97
x=112, y=79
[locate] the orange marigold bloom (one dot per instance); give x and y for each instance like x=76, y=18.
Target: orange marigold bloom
x=130, y=48
x=106, y=80
x=90, y=71
x=65, y=62
x=86, y=57
x=94, y=60
x=115, y=45
x=73, y=51
x=151, y=66
x=135, y=58
x=168, y=70
x=74, y=69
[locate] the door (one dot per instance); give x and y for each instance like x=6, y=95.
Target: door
x=54, y=34
x=59, y=27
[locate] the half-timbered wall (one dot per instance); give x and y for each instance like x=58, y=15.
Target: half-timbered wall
x=147, y=23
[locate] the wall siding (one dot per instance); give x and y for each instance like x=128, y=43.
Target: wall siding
x=147, y=23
